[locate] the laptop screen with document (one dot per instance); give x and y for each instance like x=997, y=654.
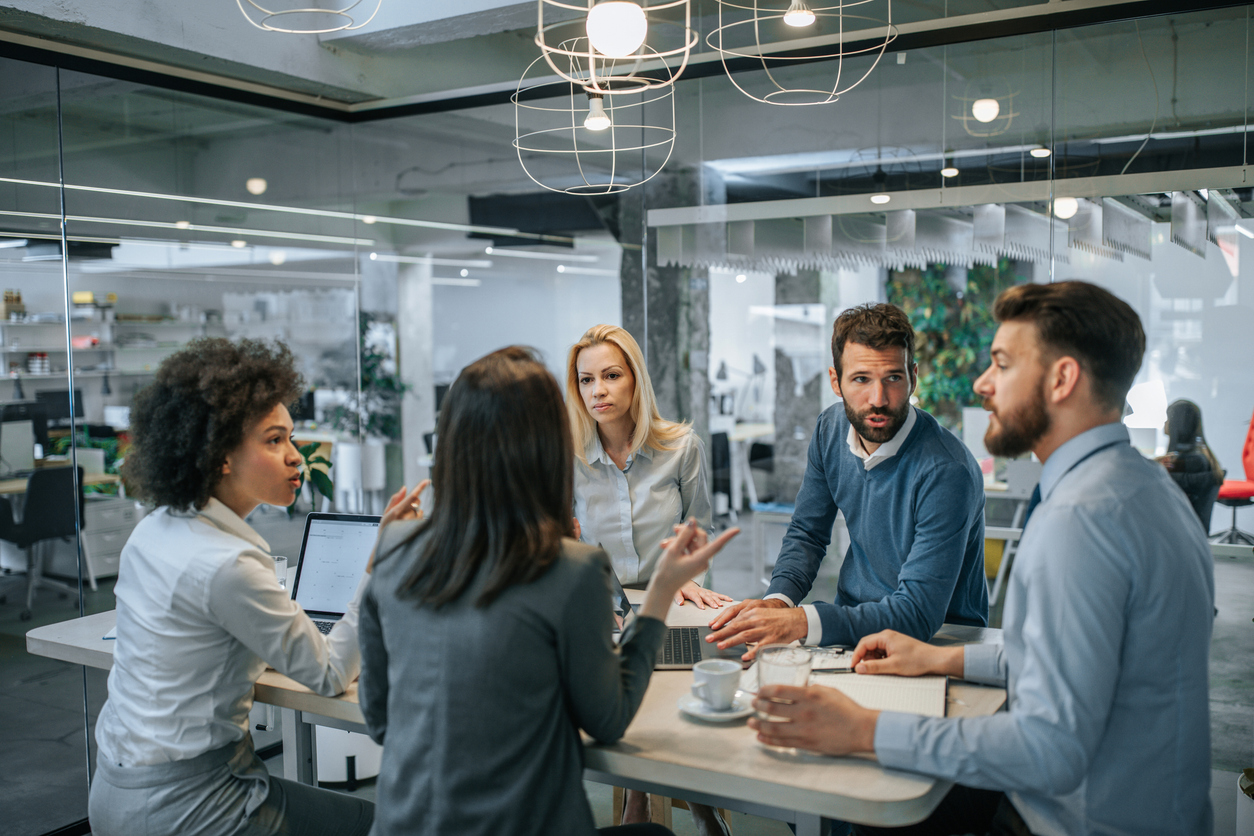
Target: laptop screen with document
x=333, y=558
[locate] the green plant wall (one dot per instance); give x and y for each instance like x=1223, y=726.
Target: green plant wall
x=953, y=330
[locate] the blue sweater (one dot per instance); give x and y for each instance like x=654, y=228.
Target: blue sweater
x=916, y=525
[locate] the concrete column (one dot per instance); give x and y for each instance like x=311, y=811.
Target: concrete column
x=669, y=314
x=415, y=333
x=798, y=353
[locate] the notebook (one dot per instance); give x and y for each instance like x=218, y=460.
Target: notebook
x=908, y=694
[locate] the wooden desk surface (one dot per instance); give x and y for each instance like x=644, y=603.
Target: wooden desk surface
x=661, y=746
x=19, y=485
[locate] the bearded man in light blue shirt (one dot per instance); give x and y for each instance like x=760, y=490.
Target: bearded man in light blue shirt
x=1107, y=621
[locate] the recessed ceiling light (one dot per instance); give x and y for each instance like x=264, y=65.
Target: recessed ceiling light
x=561, y=268
x=374, y=256
x=487, y=250
x=277, y=257
x=256, y=185
x=182, y=224
x=741, y=278
x=465, y=272
x=880, y=199
x=1040, y=152
x=238, y=244
x=949, y=171
x=368, y=219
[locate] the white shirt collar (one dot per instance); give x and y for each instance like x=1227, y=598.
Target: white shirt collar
x=886, y=450
x=224, y=518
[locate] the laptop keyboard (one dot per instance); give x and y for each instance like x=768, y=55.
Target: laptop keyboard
x=324, y=627
x=682, y=647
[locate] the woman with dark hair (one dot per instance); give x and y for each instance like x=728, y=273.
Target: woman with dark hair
x=1189, y=462
x=200, y=612
x=486, y=629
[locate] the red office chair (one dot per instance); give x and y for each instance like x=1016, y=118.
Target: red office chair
x=1237, y=494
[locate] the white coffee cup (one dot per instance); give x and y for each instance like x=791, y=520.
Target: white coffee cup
x=715, y=682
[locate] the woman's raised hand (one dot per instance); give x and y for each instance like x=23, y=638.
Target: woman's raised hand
x=682, y=560
x=401, y=506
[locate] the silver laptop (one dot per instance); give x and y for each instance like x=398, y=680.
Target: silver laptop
x=333, y=557
x=683, y=647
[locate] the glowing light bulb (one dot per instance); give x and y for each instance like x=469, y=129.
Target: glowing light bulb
x=1040, y=152
x=277, y=257
x=256, y=185
x=798, y=14
x=374, y=256
x=182, y=224
x=740, y=279
x=597, y=119
x=369, y=219
x=880, y=199
x=949, y=171
x=1066, y=207
x=465, y=272
x=985, y=110
x=238, y=244
x=616, y=28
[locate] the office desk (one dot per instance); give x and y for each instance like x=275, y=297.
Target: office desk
x=662, y=752
x=11, y=486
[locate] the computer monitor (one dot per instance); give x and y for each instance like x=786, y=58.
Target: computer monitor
x=58, y=404
x=36, y=413
x=17, y=448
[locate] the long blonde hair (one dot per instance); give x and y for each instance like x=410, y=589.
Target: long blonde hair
x=650, y=428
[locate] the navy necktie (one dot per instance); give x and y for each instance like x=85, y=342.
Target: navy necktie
x=1032, y=503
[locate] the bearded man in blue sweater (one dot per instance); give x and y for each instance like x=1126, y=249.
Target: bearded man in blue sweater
x=913, y=500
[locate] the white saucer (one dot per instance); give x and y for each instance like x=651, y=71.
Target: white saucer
x=693, y=706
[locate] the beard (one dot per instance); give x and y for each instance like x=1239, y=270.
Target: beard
x=1018, y=429
x=877, y=435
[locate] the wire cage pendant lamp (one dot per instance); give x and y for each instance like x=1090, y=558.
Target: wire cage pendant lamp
x=616, y=46
x=339, y=16
x=573, y=139
x=836, y=32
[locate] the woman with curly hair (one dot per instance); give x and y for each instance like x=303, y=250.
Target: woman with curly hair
x=200, y=612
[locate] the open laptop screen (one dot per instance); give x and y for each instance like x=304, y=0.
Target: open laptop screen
x=332, y=560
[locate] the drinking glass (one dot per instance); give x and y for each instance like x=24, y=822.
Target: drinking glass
x=280, y=570
x=780, y=664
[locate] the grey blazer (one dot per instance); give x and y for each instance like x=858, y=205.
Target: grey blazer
x=479, y=709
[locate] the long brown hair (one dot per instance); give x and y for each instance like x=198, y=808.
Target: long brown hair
x=503, y=477
x=1184, y=434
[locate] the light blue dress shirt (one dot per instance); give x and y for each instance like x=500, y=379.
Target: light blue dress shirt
x=630, y=512
x=1107, y=629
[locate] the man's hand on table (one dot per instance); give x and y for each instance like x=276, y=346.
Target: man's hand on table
x=758, y=622
x=891, y=652
x=819, y=720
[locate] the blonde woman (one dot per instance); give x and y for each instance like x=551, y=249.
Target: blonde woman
x=636, y=475
x=637, y=478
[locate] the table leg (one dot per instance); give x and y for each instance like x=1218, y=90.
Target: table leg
x=747, y=473
x=737, y=498
x=808, y=825
x=300, y=757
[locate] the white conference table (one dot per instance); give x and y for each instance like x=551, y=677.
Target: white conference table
x=662, y=751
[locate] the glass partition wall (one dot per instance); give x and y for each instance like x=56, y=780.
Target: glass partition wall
x=391, y=253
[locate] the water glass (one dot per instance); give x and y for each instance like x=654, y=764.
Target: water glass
x=780, y=664
x=280, y=570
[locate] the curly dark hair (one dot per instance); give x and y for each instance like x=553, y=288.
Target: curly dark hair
x=195, y=412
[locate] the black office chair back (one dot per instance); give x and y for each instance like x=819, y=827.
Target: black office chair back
x=720, y=463
x=50, y=496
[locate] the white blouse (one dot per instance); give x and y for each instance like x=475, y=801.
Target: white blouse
x=629, y=512
x=200, y=613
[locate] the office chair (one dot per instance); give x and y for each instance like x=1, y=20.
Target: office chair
x=1237, y=494
x=49, y=514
